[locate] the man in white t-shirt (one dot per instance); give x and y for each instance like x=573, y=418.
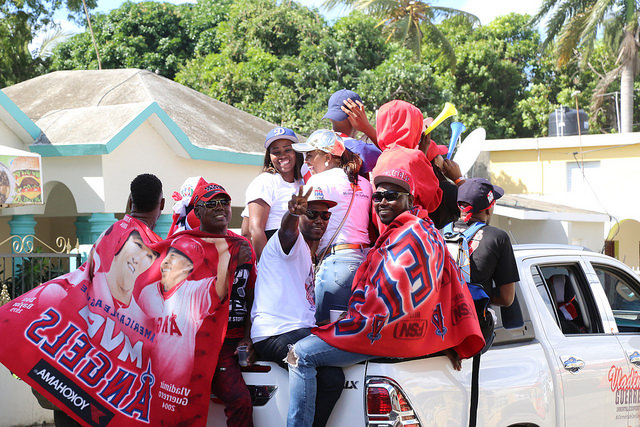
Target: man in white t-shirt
x=284, y=308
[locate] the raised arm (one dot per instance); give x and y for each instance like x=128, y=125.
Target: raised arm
x=288, y=233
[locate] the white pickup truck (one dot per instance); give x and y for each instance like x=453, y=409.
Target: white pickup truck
x=566, y=353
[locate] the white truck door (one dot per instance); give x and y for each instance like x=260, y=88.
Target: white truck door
x=621, y=288
x=579, y=349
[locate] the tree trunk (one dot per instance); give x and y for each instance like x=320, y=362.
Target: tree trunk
x=628, y=58
x=626, y=97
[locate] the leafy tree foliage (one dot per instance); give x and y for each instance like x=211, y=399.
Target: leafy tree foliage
x=281, y=61
x=574, y=24
x=149, y=35
x=20, y=20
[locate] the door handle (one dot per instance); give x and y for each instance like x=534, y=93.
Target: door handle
x=572, y=364
x=634, y=358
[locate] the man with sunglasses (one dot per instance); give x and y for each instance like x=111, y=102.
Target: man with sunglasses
x=284, y=307
x=407, y=301
x=212, y=207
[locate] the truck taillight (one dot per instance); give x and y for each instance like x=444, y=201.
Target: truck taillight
x=378, y=402
x=387, y=406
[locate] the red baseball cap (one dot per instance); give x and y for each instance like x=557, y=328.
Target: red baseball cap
x=436, y=149
x=206, y=191
x=189, y=248
x=396, y=176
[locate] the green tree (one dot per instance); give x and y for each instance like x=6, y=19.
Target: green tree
x=496, y=66
x=404, y=20
x=149, y=35
x=575, y=24
x=16, y=62
x=20, y=20
x=285, y=73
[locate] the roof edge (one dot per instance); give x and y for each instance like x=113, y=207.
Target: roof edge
x=19, y=116
x=194, y=151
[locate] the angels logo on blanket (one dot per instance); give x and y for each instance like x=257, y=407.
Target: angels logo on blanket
x=132, y=337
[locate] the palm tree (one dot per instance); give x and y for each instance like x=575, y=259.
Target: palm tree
x=575, y=24
x=402, y=19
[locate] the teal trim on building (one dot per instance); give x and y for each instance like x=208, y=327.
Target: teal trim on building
x=22, y=226
x=83, y=230
x=195, y=152
x=163, y=225
x=19, y=116
x=98, y=223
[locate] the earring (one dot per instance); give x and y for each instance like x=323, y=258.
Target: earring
x=326, y=164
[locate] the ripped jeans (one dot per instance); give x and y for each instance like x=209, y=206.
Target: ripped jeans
x=330, y=379
x=306, y=355
x=334, y=279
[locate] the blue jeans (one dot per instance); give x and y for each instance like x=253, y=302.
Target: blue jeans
x=330, y=379
x=312, y=352
x=334, y=279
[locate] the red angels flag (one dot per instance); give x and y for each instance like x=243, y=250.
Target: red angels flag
x=132, y=337
x=408, y=298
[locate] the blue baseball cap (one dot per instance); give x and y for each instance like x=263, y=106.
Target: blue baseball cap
x=336, y=102
x=369, y=153
x=280, y=133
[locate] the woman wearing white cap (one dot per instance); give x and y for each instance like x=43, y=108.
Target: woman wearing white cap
x=268, y=194
x=345, y=244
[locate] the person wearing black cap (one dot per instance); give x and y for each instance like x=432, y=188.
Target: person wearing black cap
x=493, y=264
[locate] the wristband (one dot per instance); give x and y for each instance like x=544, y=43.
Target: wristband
x=292, y=214
x=459, y=180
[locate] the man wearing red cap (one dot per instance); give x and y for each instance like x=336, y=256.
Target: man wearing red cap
x=407, y=282
x=179, y=303
x=212, y=207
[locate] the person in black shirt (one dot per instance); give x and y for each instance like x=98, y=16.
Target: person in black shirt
x=493, y=264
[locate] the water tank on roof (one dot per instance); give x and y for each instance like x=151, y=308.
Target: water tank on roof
x=563, y=122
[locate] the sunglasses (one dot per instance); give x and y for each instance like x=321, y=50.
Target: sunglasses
x=214, y=204
x=325, y=215
x=390, y=195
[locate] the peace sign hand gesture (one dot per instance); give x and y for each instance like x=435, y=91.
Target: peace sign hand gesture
x=298, y=203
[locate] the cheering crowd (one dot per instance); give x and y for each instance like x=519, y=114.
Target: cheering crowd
x=342, y=248
x=348, y=228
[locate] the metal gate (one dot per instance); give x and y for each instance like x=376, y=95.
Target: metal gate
x=29, y=265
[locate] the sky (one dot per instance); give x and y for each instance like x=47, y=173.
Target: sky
x=486, y=10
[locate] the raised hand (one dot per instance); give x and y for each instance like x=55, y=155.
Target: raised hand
x=356, y=114
x=298, y=203
x=451, y=170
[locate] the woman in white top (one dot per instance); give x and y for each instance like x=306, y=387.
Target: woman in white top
x=268, y=194
x=345, y=244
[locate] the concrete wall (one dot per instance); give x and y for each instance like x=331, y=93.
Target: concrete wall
x=9, y=138
x=588, y=234
x=18, y=406
x=146, y=152
x=627, y=234
x=81, y=175
x=546, y=172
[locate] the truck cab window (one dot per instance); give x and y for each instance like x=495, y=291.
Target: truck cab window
x=570, y=299
x=623, y=293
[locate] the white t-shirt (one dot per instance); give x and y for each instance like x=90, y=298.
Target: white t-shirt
x=284, y=298
x=336, y=186
x=178, y=315
x=276, y=192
